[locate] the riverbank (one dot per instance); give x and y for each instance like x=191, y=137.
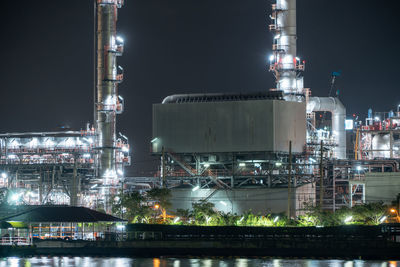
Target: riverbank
x=224, y=248
x=353, y=242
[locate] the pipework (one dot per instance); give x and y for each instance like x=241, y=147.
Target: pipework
x=335, y=106
x=108, y=76
x=284, y=63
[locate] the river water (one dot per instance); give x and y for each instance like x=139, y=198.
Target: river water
x=182, y=262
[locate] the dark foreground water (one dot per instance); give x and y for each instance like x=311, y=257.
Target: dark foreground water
x=174, y=262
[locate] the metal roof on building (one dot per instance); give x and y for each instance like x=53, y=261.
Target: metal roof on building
x=58, y=214
x=222, y=97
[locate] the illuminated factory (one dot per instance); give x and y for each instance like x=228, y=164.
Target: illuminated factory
x=272, y=151
x=276, y=150
x=80, y=168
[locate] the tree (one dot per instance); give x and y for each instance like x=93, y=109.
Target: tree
x=132, y=207
x=203, y=212
x=370, y=214
x=161, y=196
x=184, y=214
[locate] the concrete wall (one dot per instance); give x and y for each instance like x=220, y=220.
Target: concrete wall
x=382, y=186
x=233, y=126
x=263, y=200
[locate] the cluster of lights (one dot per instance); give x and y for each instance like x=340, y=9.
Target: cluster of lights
x=49, y=142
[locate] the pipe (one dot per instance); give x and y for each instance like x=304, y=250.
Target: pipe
x=285, y=64
x=107, y=79
x=335, y=106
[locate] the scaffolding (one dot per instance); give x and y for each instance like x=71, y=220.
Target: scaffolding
x=343, y=183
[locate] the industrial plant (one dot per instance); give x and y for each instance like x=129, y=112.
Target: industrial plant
x=275, y=151
x=79, y=168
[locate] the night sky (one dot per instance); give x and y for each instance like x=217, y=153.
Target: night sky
x=185, y=46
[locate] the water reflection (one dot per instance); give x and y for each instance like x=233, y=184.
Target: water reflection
x=183, y=262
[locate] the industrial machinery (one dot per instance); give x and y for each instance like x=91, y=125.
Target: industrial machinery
x=74, y=167
x=271, y=150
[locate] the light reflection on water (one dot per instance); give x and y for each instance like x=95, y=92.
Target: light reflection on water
x=183, y=262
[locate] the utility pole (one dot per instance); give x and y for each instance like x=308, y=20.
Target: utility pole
x=321, y=179
x=289, y=213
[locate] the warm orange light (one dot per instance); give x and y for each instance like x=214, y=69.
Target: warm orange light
x=156, y=206
x=393, y=211
x=156, y=262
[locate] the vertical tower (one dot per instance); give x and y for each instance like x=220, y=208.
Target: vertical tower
x=284, y=63
x=108, y=76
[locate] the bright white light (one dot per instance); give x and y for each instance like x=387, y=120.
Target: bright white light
x=277, y=36
x=119, y=39
x=312, y=160
x=70, y=142
x=49, y=143
x=154, y=140
x=271, y=57
x=33, y=143
x=348, y=219
x=110, y=100
x=177, y=219
x=288, y=59
x=15, y=197
x=349, y=124
x=120, y=227
x=276, y=219
x=3, y=175
x=241, y=219
x=297, y=58
x=208, y=219
x=120, y=172
x=110, y=174
x=89, y=140
x=377, y=118
x=359, y=168
x=86, y=156
x=278, y=164
x=206, y=165
x=242, y=164
x=125, y=149
x=383, y=219
x=196, y=188
x=93, y=186
x=223, y=203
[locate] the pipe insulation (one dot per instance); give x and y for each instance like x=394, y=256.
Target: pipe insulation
x=335, y=106
x=285, y=63
x=106, y=85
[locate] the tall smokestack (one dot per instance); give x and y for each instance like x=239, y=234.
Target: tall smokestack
x=284, y=63
x=108, y=75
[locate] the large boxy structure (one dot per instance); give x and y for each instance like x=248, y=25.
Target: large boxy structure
x=263, y=125
x=223, y=148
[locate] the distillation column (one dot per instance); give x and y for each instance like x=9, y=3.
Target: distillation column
x=284, y=63
x=108, y=76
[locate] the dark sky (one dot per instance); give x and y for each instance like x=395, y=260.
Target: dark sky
x=186, y=46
